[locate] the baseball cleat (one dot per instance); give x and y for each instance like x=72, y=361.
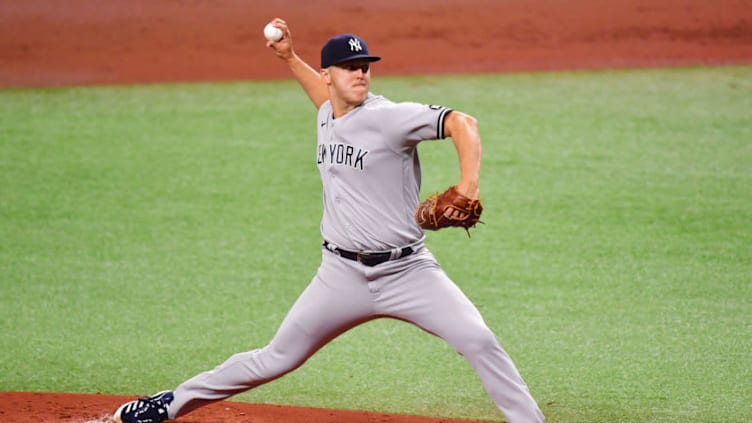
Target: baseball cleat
x=151, y=409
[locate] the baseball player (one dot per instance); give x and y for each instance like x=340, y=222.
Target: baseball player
x=373, y=261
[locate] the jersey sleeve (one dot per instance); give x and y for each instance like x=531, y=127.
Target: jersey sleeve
x=409, y=123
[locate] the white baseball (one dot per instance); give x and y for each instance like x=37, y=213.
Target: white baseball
x=272, y=33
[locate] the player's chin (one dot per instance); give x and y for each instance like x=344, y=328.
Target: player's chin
x=360, y=92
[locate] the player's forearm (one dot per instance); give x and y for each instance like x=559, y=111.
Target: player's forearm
x=309, y=80
x=464, y=132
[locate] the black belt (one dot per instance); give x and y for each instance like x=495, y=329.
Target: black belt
x=368, y=259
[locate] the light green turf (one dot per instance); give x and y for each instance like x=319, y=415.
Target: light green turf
x=149, y=232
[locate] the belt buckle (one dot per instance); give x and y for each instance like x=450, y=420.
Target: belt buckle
x=365, y=259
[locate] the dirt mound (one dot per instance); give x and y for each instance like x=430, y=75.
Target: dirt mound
x=36, y=407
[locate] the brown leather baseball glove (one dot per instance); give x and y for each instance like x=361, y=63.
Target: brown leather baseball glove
x=448, y=209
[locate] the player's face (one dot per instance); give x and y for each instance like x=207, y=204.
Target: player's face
x=351, y=80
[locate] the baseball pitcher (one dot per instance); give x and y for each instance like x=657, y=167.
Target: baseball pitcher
x=374, y=262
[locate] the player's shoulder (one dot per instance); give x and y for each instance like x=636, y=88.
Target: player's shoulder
x=379, y=102
x=327, y=105
x=375, y=101
x=325, y=109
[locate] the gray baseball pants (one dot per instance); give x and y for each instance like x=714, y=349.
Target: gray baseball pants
x=344, y=294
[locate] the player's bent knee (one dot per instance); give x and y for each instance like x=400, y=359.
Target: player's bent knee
x=275, y=362
x=477, y=341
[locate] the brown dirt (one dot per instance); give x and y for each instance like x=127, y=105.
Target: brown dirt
x=37, y=407
x=87, y=42
x=73, y=42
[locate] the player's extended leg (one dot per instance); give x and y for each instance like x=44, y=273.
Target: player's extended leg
x=333, y=302
x=426, y=297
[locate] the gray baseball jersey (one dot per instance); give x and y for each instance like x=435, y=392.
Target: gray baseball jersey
x=371, y=180
x=370, y=172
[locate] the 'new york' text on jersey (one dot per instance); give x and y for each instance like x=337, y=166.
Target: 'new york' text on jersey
x=370, y=171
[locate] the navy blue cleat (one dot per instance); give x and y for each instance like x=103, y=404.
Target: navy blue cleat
x=151, y=409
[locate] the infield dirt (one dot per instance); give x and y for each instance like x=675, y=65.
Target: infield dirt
x=81, y=42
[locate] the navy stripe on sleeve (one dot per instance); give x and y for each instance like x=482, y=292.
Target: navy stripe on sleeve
x=440, y=129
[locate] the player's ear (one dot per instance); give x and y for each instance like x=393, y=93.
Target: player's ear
x=325, y=76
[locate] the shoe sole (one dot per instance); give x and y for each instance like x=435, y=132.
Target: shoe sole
x=116, y=417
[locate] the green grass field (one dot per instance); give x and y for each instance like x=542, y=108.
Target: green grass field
x=149, y=232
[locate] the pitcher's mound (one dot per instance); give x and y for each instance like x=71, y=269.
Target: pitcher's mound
x=37, y=407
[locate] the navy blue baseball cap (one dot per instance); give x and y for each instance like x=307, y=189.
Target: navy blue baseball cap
x=345, y=47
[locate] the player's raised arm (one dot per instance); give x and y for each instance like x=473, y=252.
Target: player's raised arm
x=307, y=77
x=463, y=129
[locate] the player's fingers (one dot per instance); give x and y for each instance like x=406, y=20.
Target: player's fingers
x=454, y=214
x=281, y=24
x=282, y=47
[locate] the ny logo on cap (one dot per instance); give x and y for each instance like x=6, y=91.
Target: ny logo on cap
x=355, y=45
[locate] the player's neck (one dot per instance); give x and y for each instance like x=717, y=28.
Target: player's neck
x=344, y=103
x=341, y=108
